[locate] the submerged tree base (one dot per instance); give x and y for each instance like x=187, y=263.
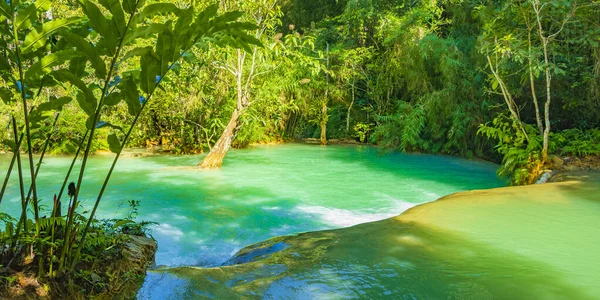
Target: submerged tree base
x=118, y=276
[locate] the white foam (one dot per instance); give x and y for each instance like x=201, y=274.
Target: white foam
x=343, y=218
x=168, y=230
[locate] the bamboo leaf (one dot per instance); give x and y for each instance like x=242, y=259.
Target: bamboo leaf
x=121, y=223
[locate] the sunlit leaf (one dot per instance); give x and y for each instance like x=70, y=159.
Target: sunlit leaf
x=37, y=37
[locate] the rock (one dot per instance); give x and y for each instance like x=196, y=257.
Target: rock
x=557, y=163
x=545, y=177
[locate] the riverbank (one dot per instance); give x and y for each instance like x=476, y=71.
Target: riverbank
x=114, y=276
x=525, y=242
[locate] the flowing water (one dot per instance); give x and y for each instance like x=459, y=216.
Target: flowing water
x=205, y=217
x=535, y=242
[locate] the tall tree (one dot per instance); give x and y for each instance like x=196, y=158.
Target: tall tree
x=245, y=67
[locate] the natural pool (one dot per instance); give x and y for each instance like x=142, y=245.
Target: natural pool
x=534, y=242
x=207, y=216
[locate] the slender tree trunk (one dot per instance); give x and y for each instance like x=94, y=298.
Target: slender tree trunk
x=512, y=106
x=214, y=159
x=324, y=124
x=546, y=105
x=545, y=42
x=349, y=109
x=324, y=105
x=533, y=94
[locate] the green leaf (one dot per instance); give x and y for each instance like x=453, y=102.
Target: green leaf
x=121, y=223
x=230, y=16
x=10, y=144
x=113, y=99
x=85, y=98
x=90, y=51
x=118, y=16
x=5, y=9
x=100, y=24
x=43, y=5
x=137, y=52
x=77, y=66
x=106, y=124
x=165, y=49
x=494, y=85
x=45, y=64
x=87, y=106
x=70, y=147
x=54, y=104
x=113, y=143
x=37, y=37
x=159, y=8
x=4, y=65
x=26, y=16
x=132, y=97
x=130, y=6
x=145, y=32
x=6, y=95
x=150, y=69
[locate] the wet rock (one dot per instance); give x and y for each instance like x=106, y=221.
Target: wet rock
x=249, y=255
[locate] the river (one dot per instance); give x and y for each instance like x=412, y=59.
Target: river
x=205, y=217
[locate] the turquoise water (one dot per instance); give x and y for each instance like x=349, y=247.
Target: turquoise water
x=207, y=216
x=533, y=242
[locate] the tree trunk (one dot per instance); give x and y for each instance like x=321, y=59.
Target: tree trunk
x=324, y=124
x=349, y=109
x=546, y=106
x=545, y=41
x=533, y=94
x=214, y=159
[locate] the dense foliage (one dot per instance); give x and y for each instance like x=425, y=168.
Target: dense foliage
x=512, y=81
x=92, y=73
x=407, y=75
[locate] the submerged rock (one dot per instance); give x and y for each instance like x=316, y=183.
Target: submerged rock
x=255, y=252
